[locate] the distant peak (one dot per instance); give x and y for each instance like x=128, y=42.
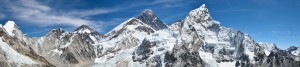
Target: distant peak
x=58, y=30
x=148, y=12
x=84, y=29
x=151, y=19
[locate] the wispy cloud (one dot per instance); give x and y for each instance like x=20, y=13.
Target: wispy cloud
x=38, y=32
x=33, y=12
x=96, y=11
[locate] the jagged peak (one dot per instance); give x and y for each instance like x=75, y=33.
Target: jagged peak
x=199, y=11
x=202, y=15
x=203, y=6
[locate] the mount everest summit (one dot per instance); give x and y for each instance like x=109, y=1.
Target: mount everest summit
x=144, y=41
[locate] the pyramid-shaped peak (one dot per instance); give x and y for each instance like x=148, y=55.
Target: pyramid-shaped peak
x=151, y=19
x=203, y=8
x=148, y=12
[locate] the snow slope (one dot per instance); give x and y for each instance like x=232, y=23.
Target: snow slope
x=13, y=56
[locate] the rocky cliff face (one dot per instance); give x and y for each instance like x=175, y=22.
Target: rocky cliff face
x=144, y=41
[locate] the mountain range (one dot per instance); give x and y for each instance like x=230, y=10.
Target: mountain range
x=144, y=41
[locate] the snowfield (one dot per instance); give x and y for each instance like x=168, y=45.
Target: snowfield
x=13, y=56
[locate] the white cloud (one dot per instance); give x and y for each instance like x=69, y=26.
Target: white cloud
x=84, y=13
x=33, y=5
x=33, y=12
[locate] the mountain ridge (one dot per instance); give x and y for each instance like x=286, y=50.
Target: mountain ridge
x=145, y=41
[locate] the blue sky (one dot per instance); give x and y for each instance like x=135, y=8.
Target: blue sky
x=274, y=21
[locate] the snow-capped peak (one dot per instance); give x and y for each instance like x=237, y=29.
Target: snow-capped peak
x=10, y=27
x=203, y=6
x=200, y=12
x=147, y=14
x=201, y=15
x=148, y=17
x=84, y=29
x=202, y=9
